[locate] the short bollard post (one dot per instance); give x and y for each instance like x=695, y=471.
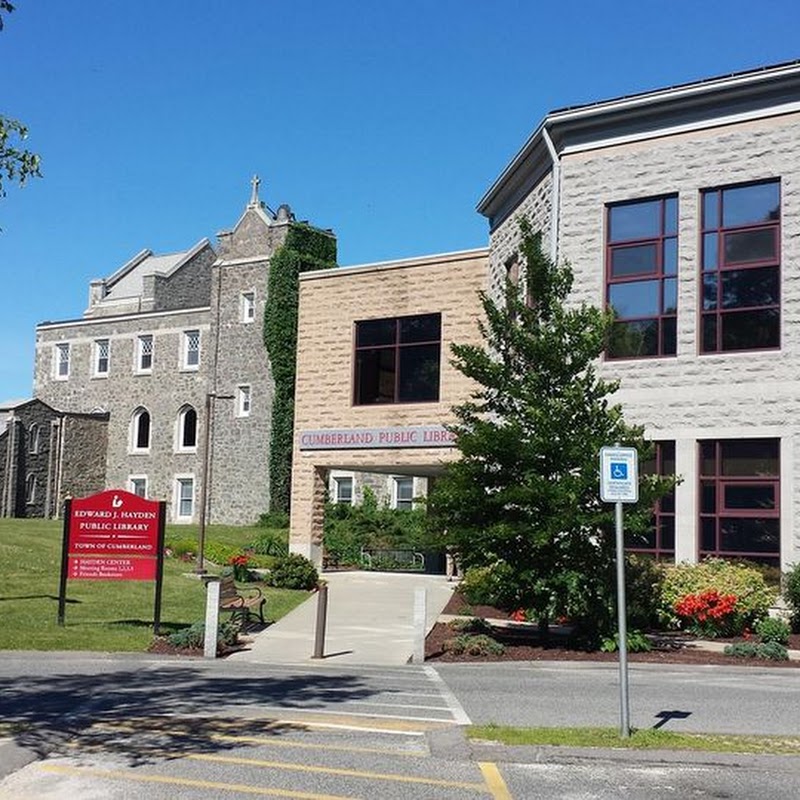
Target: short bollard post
x=420, y=617
x=322, y=619
x=212, y=618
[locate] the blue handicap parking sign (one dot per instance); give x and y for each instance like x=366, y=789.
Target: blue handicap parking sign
x=619, y=470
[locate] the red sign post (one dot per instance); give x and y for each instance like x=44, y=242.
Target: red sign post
x=113, y=536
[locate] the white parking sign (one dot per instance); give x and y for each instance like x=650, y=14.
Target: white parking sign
x=619, y=475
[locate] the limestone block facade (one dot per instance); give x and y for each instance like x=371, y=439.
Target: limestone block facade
x=333, y=304
x=171, y=350
x=722, y=379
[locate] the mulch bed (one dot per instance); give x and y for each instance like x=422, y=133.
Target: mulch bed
x=522, y=644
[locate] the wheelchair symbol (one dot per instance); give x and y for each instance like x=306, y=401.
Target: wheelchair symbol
x=619, y=471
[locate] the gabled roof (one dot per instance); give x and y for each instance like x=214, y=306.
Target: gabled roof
x=740, y=96
x=127, y=281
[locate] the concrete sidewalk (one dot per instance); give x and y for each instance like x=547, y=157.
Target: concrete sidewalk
x=370, y=621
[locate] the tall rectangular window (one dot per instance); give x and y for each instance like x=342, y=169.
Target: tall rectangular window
x=741, y=246
x=191, y=349
x=642, y=277
x=344, y=490
x=243, y=401
x=144, y=353
x=247, y=308
x=740, y=499
x=660, y=539
x=30, y=489
x=397, y=360
x=102, y=350
x=62, y=361
x=184, y=498
x=403, y=493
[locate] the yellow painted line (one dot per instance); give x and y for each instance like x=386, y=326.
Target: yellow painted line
x=494, y=781
x=225, y=787
x=268, y=741
x=348, y=773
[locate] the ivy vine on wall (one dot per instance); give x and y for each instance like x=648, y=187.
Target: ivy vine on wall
x=304, y=249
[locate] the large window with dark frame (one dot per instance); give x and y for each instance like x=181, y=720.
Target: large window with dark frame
x=397, y=360
x=659, y=541
x=740, y=499
x=642, y=277
x=741, y=245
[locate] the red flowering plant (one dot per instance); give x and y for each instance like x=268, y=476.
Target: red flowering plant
x=240, y=565
x=709, y=614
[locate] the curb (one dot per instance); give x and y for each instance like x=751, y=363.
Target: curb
x=14, y=757
x=543, y=754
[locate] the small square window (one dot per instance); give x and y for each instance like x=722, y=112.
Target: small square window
x=144, y=353
x=248, y=307
x=138, y=485
x=191, y=349
x=344, y=490
x=102, y=351
x=62, y=361
x=243, y=401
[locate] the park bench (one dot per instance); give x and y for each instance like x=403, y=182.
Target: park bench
x=240, y=605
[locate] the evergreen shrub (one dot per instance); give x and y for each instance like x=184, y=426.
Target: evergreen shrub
x=294, y=572
x=771, y=629
x=791, y=593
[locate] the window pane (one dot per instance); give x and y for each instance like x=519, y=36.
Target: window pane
x=376, y=332
x=708, y=533
x=742, y=247
x=710, y=292
x=711, y=210
x=750, y=458
x=669, y=333
x=143, y=430
x=746, y=205
x=633, y=339
x=635, y=299
x=742, y=288
x=344, y=490
x=710, y=251
x=708, y=498
x=634, y=221
x=667, y=532
x=745, y=535
x=670, y=257
x=375, y=370
x=639, y=260
x=420, y=329
x=190, y=428
x=670, y=296
x=746, y=330
x=709, y=340
x=708, y=458
x=419, y=373
x=670, y=216
x=750, y=497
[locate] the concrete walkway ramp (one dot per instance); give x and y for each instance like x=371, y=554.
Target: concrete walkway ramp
x=370, y=621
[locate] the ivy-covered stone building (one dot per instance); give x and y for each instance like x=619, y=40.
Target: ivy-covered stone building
x=171, y=351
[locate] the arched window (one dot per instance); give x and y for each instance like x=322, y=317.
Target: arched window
x=33, y=439
x=187, y=428
x=30, y=489
x=140, y=429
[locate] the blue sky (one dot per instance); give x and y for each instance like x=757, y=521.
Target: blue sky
x=385, y=121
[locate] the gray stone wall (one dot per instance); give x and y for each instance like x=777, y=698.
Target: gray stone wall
x=254, y=236
x=240, y=480
x=188, y=287
x=83, y=466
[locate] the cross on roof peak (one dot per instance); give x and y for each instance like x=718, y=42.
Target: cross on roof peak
x=255, y=182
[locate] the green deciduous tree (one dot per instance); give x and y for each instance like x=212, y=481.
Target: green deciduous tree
x=524, y=496
x=16, y=163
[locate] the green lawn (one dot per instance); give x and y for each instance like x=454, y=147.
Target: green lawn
x=100, y=615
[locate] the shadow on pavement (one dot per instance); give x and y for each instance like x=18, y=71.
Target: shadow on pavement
x=146, y=715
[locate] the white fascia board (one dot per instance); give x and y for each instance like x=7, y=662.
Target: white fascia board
x=142, y=315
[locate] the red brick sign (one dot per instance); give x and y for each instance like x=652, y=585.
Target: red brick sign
x=113, y=536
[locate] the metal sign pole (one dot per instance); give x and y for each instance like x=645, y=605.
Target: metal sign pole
x=622, y=625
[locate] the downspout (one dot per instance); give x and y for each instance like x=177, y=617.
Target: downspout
x=555, y=194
